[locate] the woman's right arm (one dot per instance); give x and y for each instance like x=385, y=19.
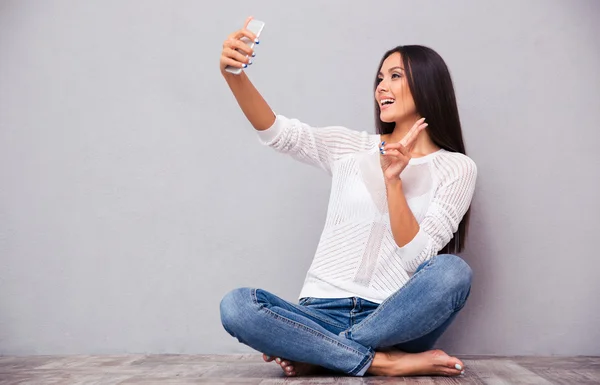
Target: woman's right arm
x=311, y=145
x=251, y=102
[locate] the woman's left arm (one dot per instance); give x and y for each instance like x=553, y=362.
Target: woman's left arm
x=418, y=242
x=402, y=220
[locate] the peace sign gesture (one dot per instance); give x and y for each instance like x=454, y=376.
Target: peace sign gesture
x=395, y=156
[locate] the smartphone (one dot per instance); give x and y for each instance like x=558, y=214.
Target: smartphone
x=256, y=27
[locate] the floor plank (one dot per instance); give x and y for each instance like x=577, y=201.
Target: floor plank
x=250, y=369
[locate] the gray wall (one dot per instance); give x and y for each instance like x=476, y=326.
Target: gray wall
x=134, y=195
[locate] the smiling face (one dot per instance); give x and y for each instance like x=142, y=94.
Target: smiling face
x=393, y=94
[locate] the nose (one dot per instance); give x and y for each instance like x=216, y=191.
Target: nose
x=381, y=87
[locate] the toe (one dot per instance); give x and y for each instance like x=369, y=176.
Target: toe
x=451, y=372
x=455, y=363
x=288, y=370
x=454, y=373
x=267, y=358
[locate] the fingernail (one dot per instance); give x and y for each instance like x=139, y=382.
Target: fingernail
x=253, y=54
x=256, y=41
x=268, y=357
x=250, y=62
x=457, y=366
x=463, y=372
x=245, y=65
x=382, y=143
x=278, y=360
x=383, y=152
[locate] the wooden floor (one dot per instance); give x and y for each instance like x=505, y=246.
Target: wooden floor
x=250, y=369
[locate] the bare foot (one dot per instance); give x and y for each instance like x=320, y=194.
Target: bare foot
x=292, y=368
x=432, y=363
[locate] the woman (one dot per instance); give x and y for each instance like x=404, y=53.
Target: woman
x=382, y=286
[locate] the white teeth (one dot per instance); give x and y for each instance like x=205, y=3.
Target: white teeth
x=387, y=101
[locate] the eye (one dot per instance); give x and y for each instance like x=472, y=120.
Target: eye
x=397, y=75
x=379, y=80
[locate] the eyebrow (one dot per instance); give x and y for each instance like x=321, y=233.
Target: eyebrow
x=391, y=69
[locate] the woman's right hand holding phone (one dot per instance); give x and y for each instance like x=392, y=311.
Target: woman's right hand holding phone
x=251, y=102
x=230, y=56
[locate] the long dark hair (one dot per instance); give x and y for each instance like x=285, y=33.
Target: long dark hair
x=431, y=87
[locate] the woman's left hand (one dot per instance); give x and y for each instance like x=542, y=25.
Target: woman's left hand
x=395, y=156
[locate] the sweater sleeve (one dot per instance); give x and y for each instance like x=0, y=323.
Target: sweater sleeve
x=446, y=210
x=319, y=147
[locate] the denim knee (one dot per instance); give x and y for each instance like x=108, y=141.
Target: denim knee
x=457, y=273
x=234, y=306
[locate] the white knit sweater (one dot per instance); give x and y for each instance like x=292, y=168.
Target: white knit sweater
x=357, y=255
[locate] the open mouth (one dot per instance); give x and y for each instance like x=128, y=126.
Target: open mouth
x=386, y=102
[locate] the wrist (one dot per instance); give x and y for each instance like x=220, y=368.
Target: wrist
x=394, y=183
x=229, y=77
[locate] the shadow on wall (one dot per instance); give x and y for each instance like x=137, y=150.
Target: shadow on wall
x=479, y=245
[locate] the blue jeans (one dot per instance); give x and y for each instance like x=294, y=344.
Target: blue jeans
x=342, y=334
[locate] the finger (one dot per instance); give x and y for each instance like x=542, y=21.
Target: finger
x=268, y=358
x=235, y=55
x=234, y=63
x=404, y=151
x=245, y=32
x=397, y=147
x=248, y=20
x=238, y=44
x=413, y=132
x=237, y=35
x=392, y=153
x=395, y=156
x=392, y=146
